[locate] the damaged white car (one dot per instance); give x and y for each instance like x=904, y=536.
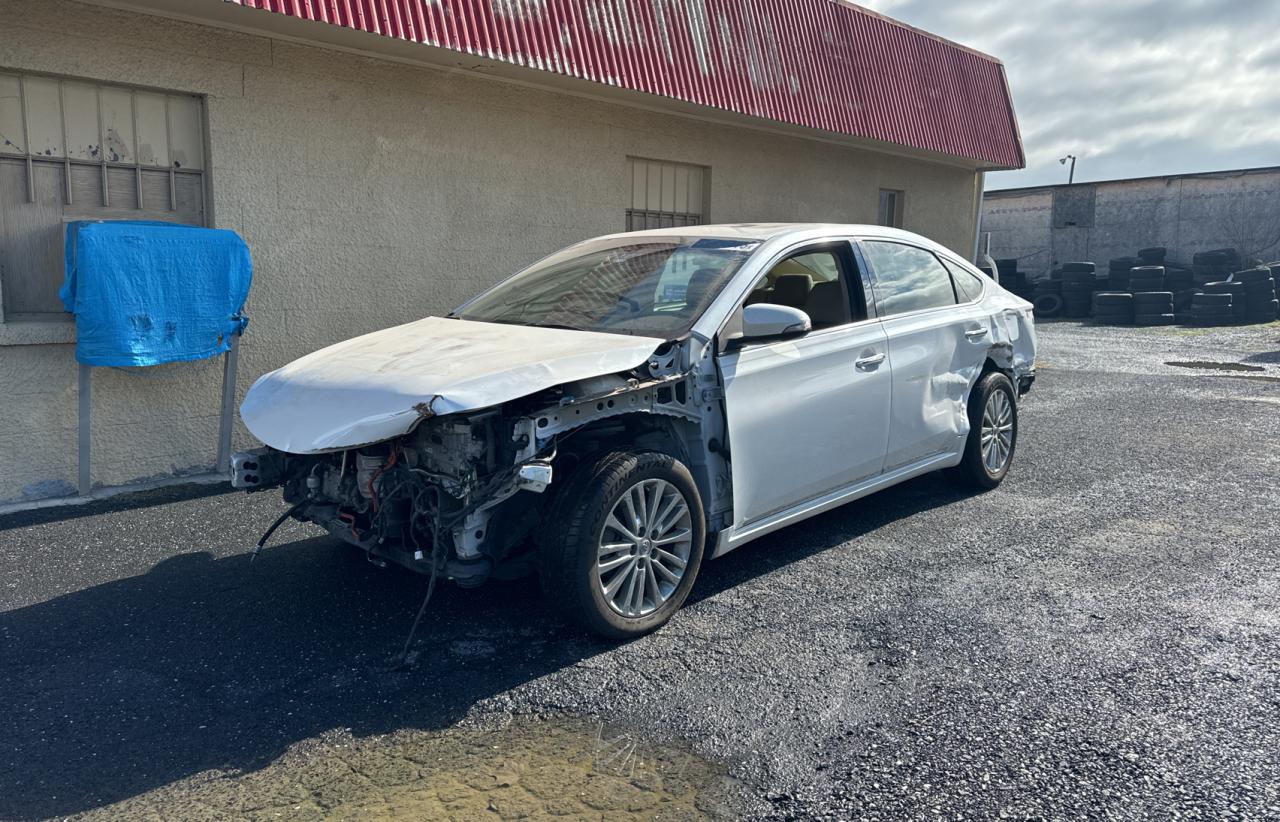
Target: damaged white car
x=617, y=411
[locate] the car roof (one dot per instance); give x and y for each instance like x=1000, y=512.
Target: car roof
x=764, y=232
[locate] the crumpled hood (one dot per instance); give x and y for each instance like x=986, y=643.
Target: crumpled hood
x=375, y=387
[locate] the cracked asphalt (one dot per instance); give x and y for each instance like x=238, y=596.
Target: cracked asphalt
x=1097, y=638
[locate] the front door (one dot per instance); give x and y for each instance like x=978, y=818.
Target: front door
x=807, y=415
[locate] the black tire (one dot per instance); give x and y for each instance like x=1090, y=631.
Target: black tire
x=569, y=540
x=1252, y=275
x=972, y=472
x=1153, y=319
x=1211, y=300
x=1048, y=306
x=1078, y=268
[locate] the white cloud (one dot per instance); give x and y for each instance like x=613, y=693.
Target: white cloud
x=1132, y=87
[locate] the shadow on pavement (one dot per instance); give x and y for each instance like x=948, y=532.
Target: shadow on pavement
x=124, y=502
x=204, y=663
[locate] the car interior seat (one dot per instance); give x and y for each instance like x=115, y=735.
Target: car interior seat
x=826, y=305
x=792, y=290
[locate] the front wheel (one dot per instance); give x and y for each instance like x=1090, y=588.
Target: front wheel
x=993, y=432
x=623, y=542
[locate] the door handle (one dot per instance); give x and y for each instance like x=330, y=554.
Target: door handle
x=869, y=363
x=976, y=334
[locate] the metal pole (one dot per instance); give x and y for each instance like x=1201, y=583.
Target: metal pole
x=86, y=392
x=228, y=404
x=981, y=183
x=1071, y=178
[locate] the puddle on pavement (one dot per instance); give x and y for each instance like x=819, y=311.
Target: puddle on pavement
x=1218, y=366
x=529, y=769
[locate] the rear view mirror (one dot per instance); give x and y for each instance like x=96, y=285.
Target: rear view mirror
x=763, y=320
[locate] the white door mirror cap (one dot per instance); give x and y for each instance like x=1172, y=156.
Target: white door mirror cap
x=763, y=320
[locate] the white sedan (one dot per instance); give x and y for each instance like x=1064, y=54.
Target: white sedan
x=625, y=407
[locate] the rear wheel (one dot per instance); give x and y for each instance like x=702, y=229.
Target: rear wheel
x=993, y=432
x=623, y=543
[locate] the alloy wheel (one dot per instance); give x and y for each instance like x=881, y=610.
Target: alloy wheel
x=644, y=547
x=997, y=432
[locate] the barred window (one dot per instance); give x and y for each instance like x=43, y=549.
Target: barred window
x=665, y=195
x=72, y=150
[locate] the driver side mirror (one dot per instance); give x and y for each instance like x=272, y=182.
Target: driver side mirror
x=764, y=320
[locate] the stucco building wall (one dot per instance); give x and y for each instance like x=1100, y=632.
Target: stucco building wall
x=372, y=193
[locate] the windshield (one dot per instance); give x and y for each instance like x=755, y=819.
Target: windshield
x=650, y=286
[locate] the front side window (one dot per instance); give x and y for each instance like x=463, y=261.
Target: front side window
x=907, y=278
x=814, y=281
x=655, y=287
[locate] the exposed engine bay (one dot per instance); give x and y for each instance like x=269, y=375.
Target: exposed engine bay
x=461, y=494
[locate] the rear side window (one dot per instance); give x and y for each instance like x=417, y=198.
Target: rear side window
x=968, y=284
x=907, y=278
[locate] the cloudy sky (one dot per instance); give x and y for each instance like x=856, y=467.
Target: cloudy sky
x=1132, y=87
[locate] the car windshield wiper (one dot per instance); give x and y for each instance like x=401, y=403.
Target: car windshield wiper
x=560, y=325
x=503, y=321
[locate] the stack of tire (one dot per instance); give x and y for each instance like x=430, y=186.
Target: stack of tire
x=1215, y=266
x=1013, y=280
x=1239, y=307
x=1146, y=278
x=1047, y=299
x=1177, y=279
x=1079, y=281
x=1119, y=272
x=1258, y=295
x=1152, y=301
x=1152, y=308
x=1113, y=308
x=1209, y=308
x=1153, y=256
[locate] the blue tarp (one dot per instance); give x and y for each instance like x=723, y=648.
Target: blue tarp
x=146, y=293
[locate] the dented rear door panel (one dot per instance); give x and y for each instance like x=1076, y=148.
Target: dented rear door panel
x=934, y=364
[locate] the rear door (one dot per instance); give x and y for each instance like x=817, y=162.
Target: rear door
x=937, y=345
x=807, y=415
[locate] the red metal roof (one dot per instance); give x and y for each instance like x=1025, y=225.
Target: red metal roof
x=817, y=63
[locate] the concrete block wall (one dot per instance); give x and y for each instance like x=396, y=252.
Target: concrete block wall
x=1186, y=215
x=373, y=193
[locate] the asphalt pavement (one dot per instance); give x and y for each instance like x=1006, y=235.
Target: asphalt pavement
x=1100, y=637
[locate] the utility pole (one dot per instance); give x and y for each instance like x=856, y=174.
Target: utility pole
x=1071, y=179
